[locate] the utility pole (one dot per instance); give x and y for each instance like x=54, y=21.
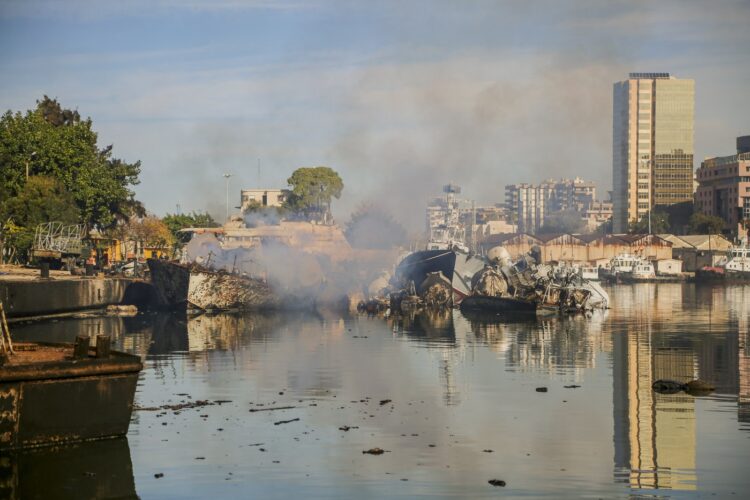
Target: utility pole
x=227, y=176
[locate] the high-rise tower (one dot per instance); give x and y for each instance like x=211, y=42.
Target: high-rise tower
x=652, y=145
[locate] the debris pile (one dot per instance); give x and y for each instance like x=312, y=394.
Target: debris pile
x=525, y=285
x=529, y=285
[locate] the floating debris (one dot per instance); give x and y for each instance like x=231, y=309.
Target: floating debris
x=374, y=451
x=673, y=387
x=253, y=410
x=182, y=406
x=286, y=421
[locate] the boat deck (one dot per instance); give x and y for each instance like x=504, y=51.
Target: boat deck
x=26, y=354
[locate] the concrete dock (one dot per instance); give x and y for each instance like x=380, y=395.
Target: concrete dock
x=24, y=293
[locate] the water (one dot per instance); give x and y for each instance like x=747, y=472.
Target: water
x=460, y=387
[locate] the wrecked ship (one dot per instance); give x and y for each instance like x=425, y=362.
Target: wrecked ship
x=527, y=285
x=289, y=265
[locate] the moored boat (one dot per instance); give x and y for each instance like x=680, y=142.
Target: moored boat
x=735, y=269
x=56, y=393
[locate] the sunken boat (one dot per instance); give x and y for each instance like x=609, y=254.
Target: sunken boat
x=58, y=393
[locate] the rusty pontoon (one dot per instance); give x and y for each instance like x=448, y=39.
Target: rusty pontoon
x=53, y=393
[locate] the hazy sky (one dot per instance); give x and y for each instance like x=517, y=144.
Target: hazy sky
x=400, y=97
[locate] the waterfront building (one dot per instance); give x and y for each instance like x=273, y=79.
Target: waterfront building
x=652, y=145
x=724, y=188
x=581, y=248
x=262, y=197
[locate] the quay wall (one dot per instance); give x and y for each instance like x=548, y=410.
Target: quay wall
x=37, y=297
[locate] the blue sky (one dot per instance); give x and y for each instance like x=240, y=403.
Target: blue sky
x=399, y=97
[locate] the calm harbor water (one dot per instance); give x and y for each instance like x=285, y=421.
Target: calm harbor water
x=463, y=406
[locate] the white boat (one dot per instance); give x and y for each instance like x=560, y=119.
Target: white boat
x=738, y=260
x=589, y=273
x=643, y=270
x=624, y=265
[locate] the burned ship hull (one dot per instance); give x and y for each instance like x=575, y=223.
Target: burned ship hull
x=180, y=286
x=457, y=267
x=498, y=305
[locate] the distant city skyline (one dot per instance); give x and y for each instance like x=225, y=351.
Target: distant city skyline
x=399, y=97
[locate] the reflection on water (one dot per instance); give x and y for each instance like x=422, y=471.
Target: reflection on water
x=461, y=383
x=99, y=469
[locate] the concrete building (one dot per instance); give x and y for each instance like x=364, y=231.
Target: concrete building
x=264, y=197
x=652, y=145
x=724, y=188
x=698, y=250
x=597, y=213
x=529, y=204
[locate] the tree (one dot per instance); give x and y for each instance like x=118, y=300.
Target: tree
x=659, y=224
x=568, y=221
x=56, y=142
x=151, y=231
x=604, y=228
x=175, y=222
x=372, y=227
x=41, y=199
x=705, y=224
x=312, y=189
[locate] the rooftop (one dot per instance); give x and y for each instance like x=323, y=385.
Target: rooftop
x=648, y=76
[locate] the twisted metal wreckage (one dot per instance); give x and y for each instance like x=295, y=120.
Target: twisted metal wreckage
x=524, y=286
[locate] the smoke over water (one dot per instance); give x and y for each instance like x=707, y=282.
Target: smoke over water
x=294, y=272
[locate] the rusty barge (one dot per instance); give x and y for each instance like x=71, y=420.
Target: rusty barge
x=58, y=393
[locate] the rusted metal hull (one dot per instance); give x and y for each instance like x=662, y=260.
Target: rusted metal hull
x=170, y=281
x=58, y=399
x=179, y=286
x=498, y=305
x=97, y=469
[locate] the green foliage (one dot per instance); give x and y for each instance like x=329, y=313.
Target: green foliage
x=659, y=224
x=56, y=142
x=312, y=189
x=604, y=228
x=252, y=206
x=563, y=222
x=175, y=222
x=372, y=227
x=705, y=224
x=41, y=199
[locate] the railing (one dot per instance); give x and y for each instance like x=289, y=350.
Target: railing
x=55, y=236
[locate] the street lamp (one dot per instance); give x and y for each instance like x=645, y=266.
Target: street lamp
x=31, y=157
x=227, y=176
